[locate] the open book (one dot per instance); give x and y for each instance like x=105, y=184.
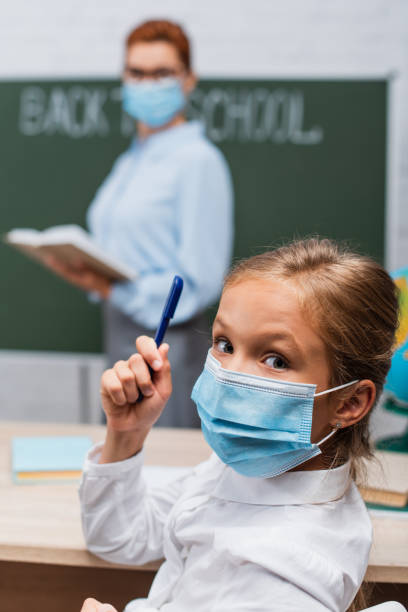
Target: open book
x=69, y=244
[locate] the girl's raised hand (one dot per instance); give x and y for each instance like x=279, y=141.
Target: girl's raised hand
x=122, y=385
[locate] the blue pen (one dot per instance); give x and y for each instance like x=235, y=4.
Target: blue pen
x=167, y=314
x=169, y=309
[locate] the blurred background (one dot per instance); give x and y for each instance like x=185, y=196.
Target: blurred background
x=305, y=98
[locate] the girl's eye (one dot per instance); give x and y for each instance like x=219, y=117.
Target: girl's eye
x=276, y=362
x=223, y=346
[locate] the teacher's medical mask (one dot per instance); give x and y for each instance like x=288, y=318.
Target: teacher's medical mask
x=154, y=103
x=258, y=426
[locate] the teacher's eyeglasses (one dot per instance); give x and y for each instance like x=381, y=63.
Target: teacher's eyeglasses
x=138, y=74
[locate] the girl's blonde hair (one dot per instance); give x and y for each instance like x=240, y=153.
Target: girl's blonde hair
x=352, y=303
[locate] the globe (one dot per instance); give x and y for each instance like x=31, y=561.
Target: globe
x=396, y=386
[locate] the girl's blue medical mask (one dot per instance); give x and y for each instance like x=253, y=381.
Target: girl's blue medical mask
x=154, y=103
x=259, y=426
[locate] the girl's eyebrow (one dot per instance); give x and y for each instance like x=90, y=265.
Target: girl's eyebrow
x=219, y=321
x=266, y=335
x=284, y=336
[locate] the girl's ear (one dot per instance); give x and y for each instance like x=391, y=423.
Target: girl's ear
x=352, y=409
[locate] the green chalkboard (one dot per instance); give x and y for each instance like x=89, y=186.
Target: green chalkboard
x=306, y=157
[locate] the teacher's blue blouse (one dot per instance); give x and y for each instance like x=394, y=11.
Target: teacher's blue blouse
x=167, y=208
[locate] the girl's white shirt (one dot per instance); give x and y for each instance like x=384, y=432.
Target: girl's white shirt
x=299, y=541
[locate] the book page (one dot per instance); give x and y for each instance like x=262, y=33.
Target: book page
x=73, y=246
x=27, y=236
x=388, y=471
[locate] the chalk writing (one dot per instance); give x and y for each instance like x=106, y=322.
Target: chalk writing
x=258, y=115
x=229, y=113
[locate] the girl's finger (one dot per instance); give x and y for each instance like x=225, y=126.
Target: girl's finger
x=164, y=350
x=147, y=348
x=112, y=387
x=162, y=379
x=128, y=381
x=141, y=371
x=90, y=605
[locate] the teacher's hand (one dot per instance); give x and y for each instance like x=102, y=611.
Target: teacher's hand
x=81, y=276
x=92, y=605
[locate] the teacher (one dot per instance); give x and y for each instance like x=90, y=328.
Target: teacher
x=166, y=208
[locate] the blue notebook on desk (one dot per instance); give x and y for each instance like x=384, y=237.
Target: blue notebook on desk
x=48, y=459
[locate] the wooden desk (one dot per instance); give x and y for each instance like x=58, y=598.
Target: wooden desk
x=44, y=565
x=43, y=560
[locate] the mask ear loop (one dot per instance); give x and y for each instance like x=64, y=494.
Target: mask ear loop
x=336, y=388
x=333, y=431
x=338, y=425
